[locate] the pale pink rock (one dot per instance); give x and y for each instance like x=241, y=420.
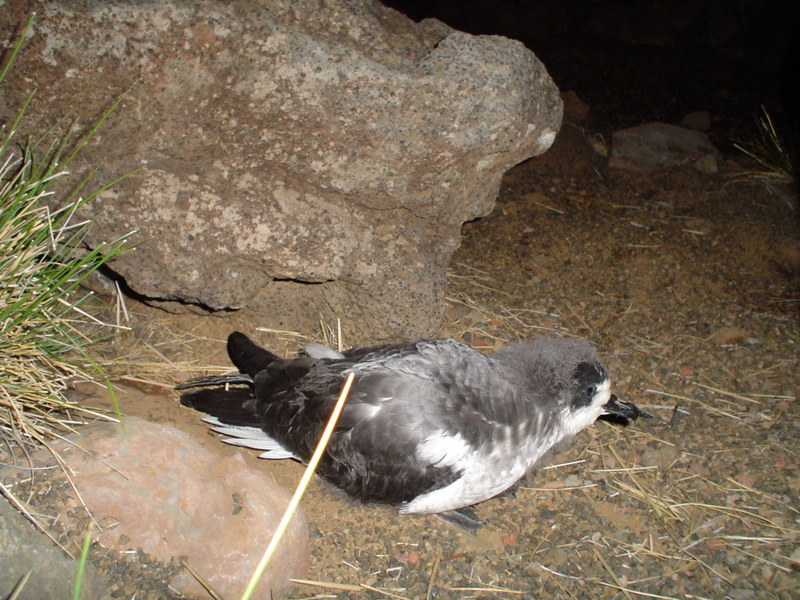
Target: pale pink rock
x=661, y=146
x=173, y=498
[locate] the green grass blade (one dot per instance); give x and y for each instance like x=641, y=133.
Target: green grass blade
x=15, y=50
x=81, y=571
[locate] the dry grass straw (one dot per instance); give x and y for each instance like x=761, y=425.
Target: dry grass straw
x=158, y=352
x=18, y=587
x=147, y=355
x=485, y=326
x=434, y=570
x=199, y=579
x=484, y=589
x=347, y=587
x=23, y=509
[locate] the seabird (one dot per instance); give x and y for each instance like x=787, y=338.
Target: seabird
x=430, y=426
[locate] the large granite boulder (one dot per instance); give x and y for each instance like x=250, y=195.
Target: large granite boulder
x=305, y=159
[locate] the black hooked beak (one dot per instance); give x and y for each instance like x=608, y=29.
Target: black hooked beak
x=623, y=410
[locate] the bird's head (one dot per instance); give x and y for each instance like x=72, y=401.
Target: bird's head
x=568, y=379
x=590, y=397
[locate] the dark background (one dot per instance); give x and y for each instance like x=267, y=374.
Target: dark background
x=637, y=61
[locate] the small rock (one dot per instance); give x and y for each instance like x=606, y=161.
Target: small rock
x=699, y=120
x=510, y=539
x=746, y=479
x=707, y=164
x=599, y=145
x=714, y=544
x=660, y=146
x=786, y=253
x=173, y=498
x=728, y=335
x=663, y=457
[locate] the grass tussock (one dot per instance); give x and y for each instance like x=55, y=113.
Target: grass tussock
x=775, y=156
x=45, y=329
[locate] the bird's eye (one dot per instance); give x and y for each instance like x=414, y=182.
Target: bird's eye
x=590, y=391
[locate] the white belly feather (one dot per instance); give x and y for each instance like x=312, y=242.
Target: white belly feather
x=486, y=471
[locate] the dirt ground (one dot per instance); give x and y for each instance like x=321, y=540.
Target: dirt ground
x=689, y=286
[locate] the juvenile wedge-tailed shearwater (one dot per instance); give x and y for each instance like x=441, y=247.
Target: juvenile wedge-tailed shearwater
x=431, y=426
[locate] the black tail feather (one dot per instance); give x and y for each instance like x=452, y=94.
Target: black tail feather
x=238, y=378
x=247, y=356
x=229, y=406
